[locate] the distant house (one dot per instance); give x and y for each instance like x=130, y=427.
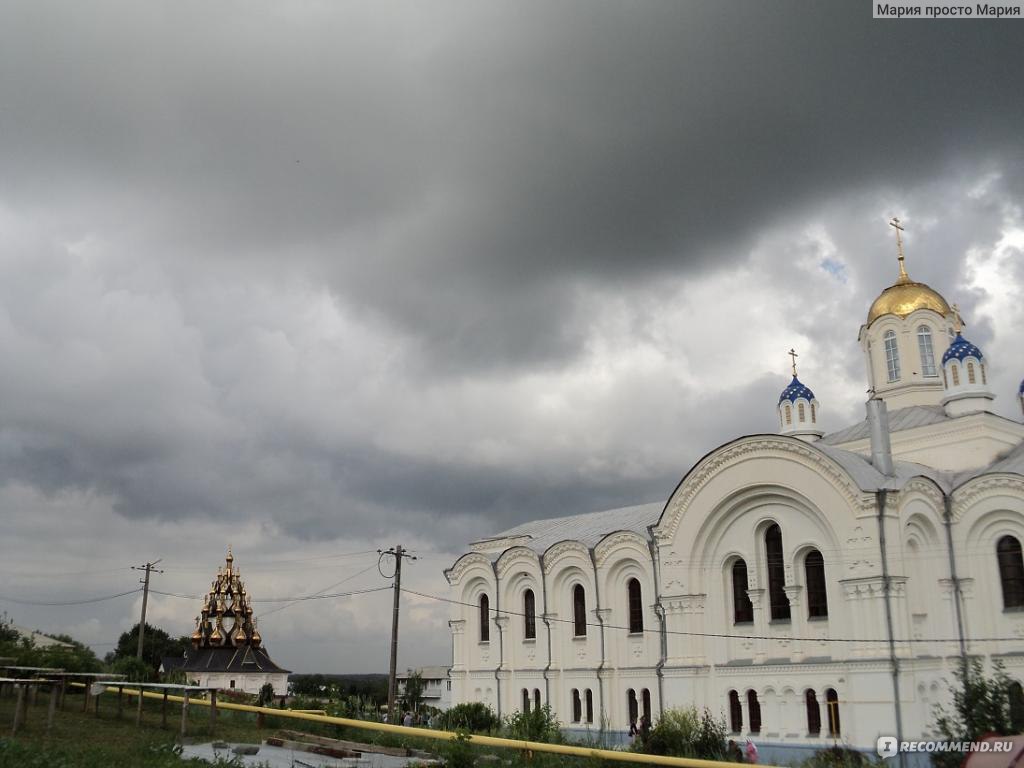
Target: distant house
x=39, y=640
x=437, y=686
x=227, y=649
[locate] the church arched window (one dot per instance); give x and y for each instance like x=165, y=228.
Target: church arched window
x=485, y=619
x=924, y=345
x=536, y=698
x=956, y=374
x=577, y=706
x=742, y=608
x=789, y=414
x=1011, y=571
x=776, y=573
x=984, y=379
x=590, y=705
x=636, y=606
x=813, y=713
x=801, y=414
x=735, y=713
x=814, y=416
x=645, y=698
x=832, y=702
x=892, y=356
x=1016, y=696
x=754, y=711
x=817, y=594
x=970, y=372
x=526, y=701
x=631, y=706
x=579, y=611
x=529, y=615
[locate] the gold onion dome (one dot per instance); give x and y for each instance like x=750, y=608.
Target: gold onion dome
x=226, y=616
x=905, y=295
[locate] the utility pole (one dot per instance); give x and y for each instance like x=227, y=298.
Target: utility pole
x=148, y=568
x=398, y=553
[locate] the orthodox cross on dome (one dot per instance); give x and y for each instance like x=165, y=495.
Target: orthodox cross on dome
x=895, y=224
x=958, y=323
x=792, y=353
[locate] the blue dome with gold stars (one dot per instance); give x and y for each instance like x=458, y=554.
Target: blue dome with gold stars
x=796, y=391
x=960, y=349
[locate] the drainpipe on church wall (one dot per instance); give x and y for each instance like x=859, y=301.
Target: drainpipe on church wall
x=880, y=497
x=659, y=611
x=947, y=520
x=547, y=626
x=501, y=636
x=600, y=620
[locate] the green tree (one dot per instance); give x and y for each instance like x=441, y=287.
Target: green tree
x=156, y=645
x=687, y=732
x=134, y=671
x=981, y=706
x=471, y=716
x=266, y=697
x=412, y=697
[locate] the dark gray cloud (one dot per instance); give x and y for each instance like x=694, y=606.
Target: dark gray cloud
x=337, y=272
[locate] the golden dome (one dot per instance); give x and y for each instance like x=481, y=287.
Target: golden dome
x=904, y=297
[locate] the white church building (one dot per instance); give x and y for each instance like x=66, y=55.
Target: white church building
x=810, y=588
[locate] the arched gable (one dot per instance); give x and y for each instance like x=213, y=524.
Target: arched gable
x=472, y=561
x=759, y=456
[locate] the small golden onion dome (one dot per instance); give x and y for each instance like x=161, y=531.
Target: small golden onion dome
x=904, y=297
x=256, y=639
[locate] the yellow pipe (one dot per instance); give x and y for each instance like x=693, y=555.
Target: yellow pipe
x=427, y=733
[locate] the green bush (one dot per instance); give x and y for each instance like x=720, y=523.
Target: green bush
x=457, y=753
x=473, y=716
x=837, y=757
x=685, y=732
x=133, y=669
x=539, y=724
x=981, y=705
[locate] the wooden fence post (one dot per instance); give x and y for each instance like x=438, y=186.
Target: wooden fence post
x=54, y=693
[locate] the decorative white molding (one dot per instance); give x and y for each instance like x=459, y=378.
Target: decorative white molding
x=560, y=550
x=609, y=544
x=768, y=447
x=510, y=558
x=973, y=491
x=465, y=563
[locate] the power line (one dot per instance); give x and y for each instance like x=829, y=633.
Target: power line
x=68, y=602
x=721, y=635
x=320, y=591
x=297, y=599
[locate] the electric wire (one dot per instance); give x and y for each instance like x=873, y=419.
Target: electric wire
x=725, y=635
x=69, y=602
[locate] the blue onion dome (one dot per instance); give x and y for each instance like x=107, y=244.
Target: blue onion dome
x=961, y=348
x=795, y=391
x=1021, y=390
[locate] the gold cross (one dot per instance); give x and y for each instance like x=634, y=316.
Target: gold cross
x=792, y=353
x=895, y=224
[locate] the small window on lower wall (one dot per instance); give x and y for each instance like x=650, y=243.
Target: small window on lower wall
x=813, y=713
x=832, y=702
x=536, y=698
x=577, y=706
x=232, y=683
x=590, y=706
x=631, y=706
x=645, y=698
x=735, y=713
x=754, y=711
x=526, y=701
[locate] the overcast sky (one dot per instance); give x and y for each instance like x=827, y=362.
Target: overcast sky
x=314, y=278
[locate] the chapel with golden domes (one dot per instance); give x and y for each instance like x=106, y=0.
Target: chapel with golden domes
x=227, y=648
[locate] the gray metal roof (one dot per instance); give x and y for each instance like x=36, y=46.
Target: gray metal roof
x=899, y=419
x=588, y=528
x=868, y=478
x=1012, y=463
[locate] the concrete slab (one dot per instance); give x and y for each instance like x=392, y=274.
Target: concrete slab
x=276, y=757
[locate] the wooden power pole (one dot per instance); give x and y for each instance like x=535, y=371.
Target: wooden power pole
x=398, y=553
x=148, y=568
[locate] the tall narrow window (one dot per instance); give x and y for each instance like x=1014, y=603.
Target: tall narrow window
x=817, y=594
x=801, y=414
x=984, y=380
x=636, y=606
x=814, y=416
x=590, y=706
x=892, y=356
x=1011, y=571
x=1016, y=697
x=579, y=611
x=789, y=414
x=735, y=713
x=970, y=373
x=776, y=573
x=631, y=706
x=526, y=701
x=742, y=608
x=529, y=615
x=813, y=713
x=754, y=711
x=577, y=706
x=832, y=702
x=956, y=374
x=536, y=698
x=485, y=619
x=645, y=698
x=924, y=344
